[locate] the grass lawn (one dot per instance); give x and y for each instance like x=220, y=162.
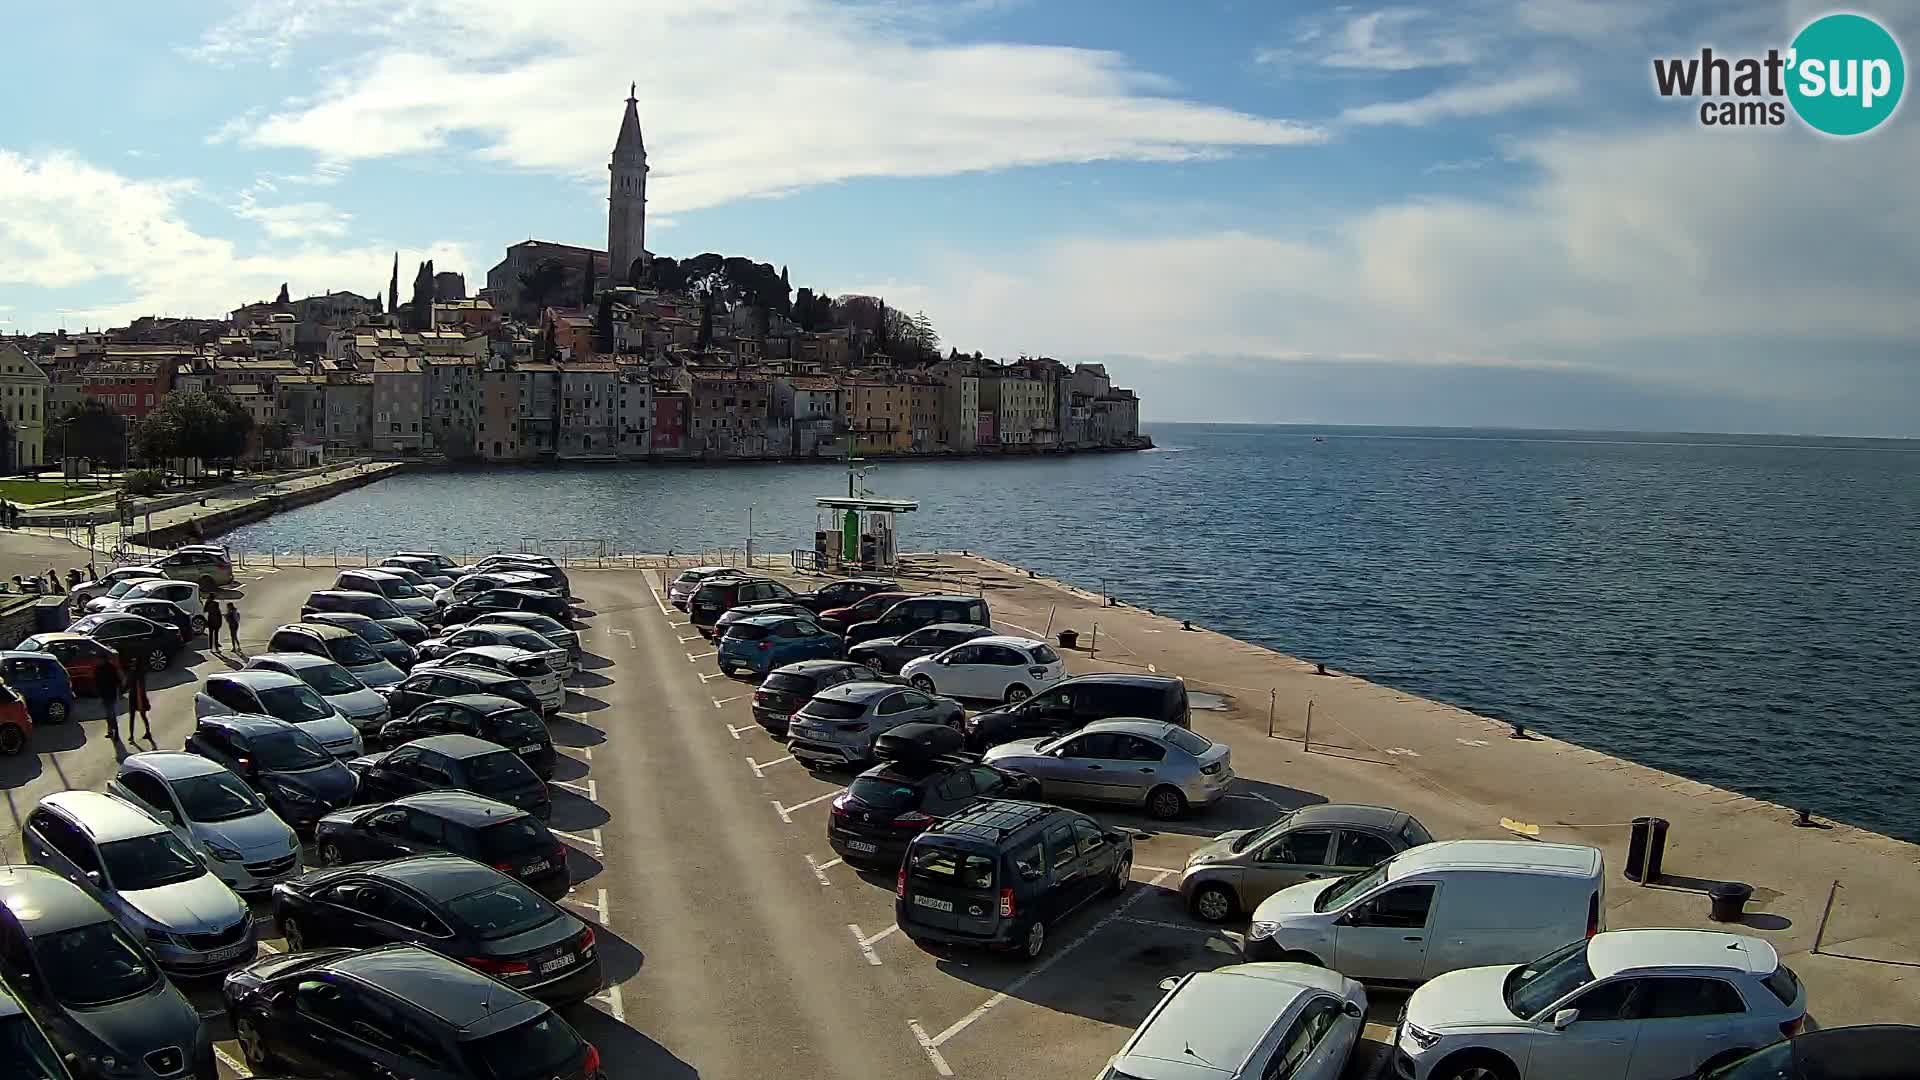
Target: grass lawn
x=30, y=492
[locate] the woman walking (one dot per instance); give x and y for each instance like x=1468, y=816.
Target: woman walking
x=107, y=681
x=233, y=625
x=212, y=615
x=137, y=700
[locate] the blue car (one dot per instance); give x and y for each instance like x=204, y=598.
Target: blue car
x=41, y=681
x=765, y=642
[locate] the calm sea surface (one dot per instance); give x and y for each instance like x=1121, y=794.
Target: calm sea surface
x=1744, y=610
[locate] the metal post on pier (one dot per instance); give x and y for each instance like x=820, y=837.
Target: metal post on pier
x=1272, y=697
x=1094, y=642
x=1306, y=744
x=1048, y=632
x=1821, y=930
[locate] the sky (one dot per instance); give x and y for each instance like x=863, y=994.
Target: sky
x=1469, y=212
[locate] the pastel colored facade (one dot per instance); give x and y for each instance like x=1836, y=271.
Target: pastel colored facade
x=923, y=415
x=589, y=408
x=670, y=409
x=957, y=425
x=879, y=415
x=23, y=404
x=399, y=405
x=729, y=412
x=1022, y=408
x=498, y=436
x=633, y=414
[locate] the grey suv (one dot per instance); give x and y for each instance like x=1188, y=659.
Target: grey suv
x=839, y=725
x=917, y=611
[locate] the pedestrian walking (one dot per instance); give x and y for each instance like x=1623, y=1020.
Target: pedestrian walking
x=138, y=702
x=212, y=615
x=107, y=681
x=233, y=624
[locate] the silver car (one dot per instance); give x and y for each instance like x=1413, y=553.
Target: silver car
x=364, y=707
x=283, y=697
x=1264, y=1020
x=1167, y=770
x=839, y=725
x=154, y=885
x=532, y=668
x=105, y=583
x=518, y=637
x=215, y=813
x=1231, y=875
x=683, y=586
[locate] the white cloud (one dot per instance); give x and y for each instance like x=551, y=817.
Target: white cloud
x=1392, y=39
x=1472, y=99
x=737, y=99
x=295, y=221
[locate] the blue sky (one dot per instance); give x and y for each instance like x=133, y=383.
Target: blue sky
x=1469, y=212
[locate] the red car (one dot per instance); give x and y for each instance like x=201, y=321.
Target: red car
x=16, y=726
x=81, y=655
x=869, y=608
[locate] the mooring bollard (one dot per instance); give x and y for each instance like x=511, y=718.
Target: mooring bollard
x=1805, y=820
x=1519, y=730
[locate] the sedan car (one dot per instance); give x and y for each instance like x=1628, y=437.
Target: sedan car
x=888, y=654
x=82, y=656
x=406, y=1012
x=300, y=780
x=1165, y=769
x=162, y=612
x=372, y=605
x=842, y=593
x=95, y=987
x=283, y=697
x=204, y=564
x=213, y=812
x=104, y=584
x=1237, y=870
x=747, y=611
x=838, y=726
x=483, y=716
x=183, y=595
x=764, y=642
x=130, y=635
x=504, y=837
x=529, y=667
x=865, y=609
x=456, y=638
x=997, y=667
x=435, y=683
x=375, y=633
x=552, y=605
x=472, y=584
x=545, y=625
x=427, y=587
x=1865, y=1052
x=453, y=906
x=439, y=762
x=364, y=707
x=425, y=569
x=1286, y=1021
x=786, y=689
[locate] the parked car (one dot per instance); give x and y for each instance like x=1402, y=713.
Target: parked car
x=915, y=612
x=1237, y=870
x=114, y=590
x=1266, y=1021
x=765, y=642
x=183, y=595
x=507, y=635
x=1166, y=770
x=747, y=611
x=412, y=602
x=1072, y=704
x=1863, y=1052
x=785, y=689
x=81, y=656
x=426, y=569
x=435, y=683
x=889, y=654
x=190, y=920
x=838, y=726
x=100, y=586
x=16, y=722
x=529, y=667
x=130, y=635
x=1437, y=908
x=865, y=609
x=95, y=986
x=552, y=605
x=439, y=762
x=394, y=651
x=299, y=779
x=364, y=708
x=451, y=905
x=372, y=605
x=714, y=598
x=214, y=812
x=162, y=612
x=1000, y=873
x=342, y=646
x=440, y=563
x=998, y=667
x=921, y=779
x=485, y=830
x=844, y=592
x=283, y=697
x=416, y=1014
x=1622, y=1005
x=41, y=680
x=24, y=1049
x=680, y=589
x=483, y=716
x=545, y=625
x=543, y=572
x=471, y=584
x=205, y=566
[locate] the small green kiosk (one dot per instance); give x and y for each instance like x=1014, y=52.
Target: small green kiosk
x=856, y=530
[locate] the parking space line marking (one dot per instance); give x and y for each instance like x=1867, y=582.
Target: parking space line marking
x=1022, y=629
x=579, y=753
x=678, y=625
x=269, y=948
x=213, y=1014
x=820, y=869
x=232, y=1063
x=1189, y=927
x=709, y=676
x=628, y=634
x=684, y=640
x=598, y=907
x=759, y=769
x=882, y=934
x=1155, y=869
x=591, y=791
x=720, y=702
x=735, y=731
x=614, y=1005
x=866, y=948
x=933, y=1051
x=783, y=811
x=588, y=841
x=647, y=577
x=694, y=658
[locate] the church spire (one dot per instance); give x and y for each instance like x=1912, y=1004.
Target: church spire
x=630, y=142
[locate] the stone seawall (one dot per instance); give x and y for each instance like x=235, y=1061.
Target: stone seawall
x=181, y=524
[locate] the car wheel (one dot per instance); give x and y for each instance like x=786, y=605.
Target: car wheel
x=923, y=684
x=158, y=659
x=56, y=712
x=727, y=670
x=1122, y=875
x=12, y=739
x=1166, y=803
x=1214, y=902
x=252, y=1046
x=1476, y=1065
x=296, y=936
x=1035, y=941
x=330, y=854
x=1017, y=694
x=198, y=624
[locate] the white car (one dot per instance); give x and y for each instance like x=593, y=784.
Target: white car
x=1621, y=1005
x=184, y=595
x=364, y=707
x=530, y=667
x=283, y=697
x=245, y=844
x=682, y=587
x=997, y=667
x=1279, y=1021
x=93, y=590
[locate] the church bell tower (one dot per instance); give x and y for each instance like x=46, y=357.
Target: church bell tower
x=627, y=198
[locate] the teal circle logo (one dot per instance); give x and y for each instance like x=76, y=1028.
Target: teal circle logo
x=1847, y=74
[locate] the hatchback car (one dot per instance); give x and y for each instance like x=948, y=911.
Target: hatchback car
x=842, y=593
x=425, y=569
x=483, y=716
x=545, y=625
x=96, y=988
x=104, y=583
x=1000, y=874
x=441, y=563
x=364, y=707
x=889, y=653
x=716, y=597
x=426, y=588
x=397, y=1011
x=1864, y=1052
x=299, y=779
x=41, y=680
x=439, y=762
x=786, y=689
x=839, y=725
x=469, y=635
x=473, y=583
x=16, y=722
x=207, y=567
x=504, y=837
x=183, y=595
x=880, y=813
x=1270, y=1021
x=411, y=601
x=993, y=668
x=131, y=635
x=444, y=682
x=682, y=587
x=747, y=611
x=451, y=905
x=1074, y=703
x=82, y=656
x=24, y=1049
x=865, y=609
x=529, y=667
x=765, y=642
x=283, y=697
x=213, y=812
x=1167, y=770
x=1232, y=874
x=376, y=634
x=162, y=612
x=190, y=920
x=372, y=605
x=542, y=573
x=346, y=647
x=1621, y=1005
x=917, y=611
x=549, y=604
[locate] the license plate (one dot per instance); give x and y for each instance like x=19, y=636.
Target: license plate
x=557, y=963
x=866, y=848
x=536, y=867
x=931, y=902
x=532, y=749
x=228, y=953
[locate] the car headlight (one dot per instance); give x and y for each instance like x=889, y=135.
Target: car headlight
x=156, y=936
x=109, y=1065
x=1261, y=931
x=222, y=852
x=1420, y=1037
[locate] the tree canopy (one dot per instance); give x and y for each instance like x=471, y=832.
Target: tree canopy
x=209, y=426
x=541, y=281
x=93, y=430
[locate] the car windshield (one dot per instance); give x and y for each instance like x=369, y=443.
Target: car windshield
x=501, y=910
x=368, y=631
x=124, y=587
x=374, y=607
x=503, y=768
x=884, y=794
x=296, y=704
x=1258, y=835
x=217, y=796
x=149, y=862
x=833, y=710
x=517, y=727
x=1188, y=741
x=1531, y=988
x=511, y=837
x=288, y=751
x=526, y=639
x=397, y=588
x=1351, y=886
x=538, y=1048
x=329, y=679
x=353, y=651
x=92, y=965
x=25, y=1053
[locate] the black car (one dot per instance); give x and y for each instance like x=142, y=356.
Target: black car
x=435, y=684
x=299, y=779
x=552, y=605
x=921, y=780
x=506, y=838
x=889, y=653
x=712, y=599
x=1867, y=1052
x=843, y=593
x=372, y=605
x=94, y=987
x=866, y=609
x=399, y=1011
x=785, y=689
x=439, y=762
x=484, y=716
x=1000, y=873
x=1072, y=704
x=370, y=630
x=545, y=625
x=451, y=905
x=164, y=612
x=130, y=635
x=915, y=612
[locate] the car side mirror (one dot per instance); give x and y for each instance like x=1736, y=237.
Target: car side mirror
x=1564, y=1019
x=94, y=876
x=1029, y=873
x=164, y=817
x=1116, y=837
x=1169, y=982
x=1352, y=1008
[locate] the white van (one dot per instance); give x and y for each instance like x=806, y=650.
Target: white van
x=1438, y=907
